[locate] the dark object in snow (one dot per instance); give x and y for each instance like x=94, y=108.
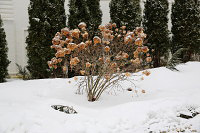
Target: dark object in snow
x=129, y=89
x=65, y=109
x=185, y=116
x=191, y=114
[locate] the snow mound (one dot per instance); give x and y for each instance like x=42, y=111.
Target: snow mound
x=25, y=106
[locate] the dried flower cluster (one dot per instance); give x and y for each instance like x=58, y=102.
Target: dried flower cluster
x=110, y=56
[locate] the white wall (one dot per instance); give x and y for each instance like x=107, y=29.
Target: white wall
x=106, y=11
x=21, y=26
x=15, y=18
x=9, y=27
x=7, y=14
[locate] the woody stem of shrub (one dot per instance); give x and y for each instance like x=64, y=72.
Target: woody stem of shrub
x=67, y=69
x=96, y=89
x=105, y=85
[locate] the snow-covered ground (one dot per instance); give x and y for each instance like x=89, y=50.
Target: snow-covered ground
x=25, y=106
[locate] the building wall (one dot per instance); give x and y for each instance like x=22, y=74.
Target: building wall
x=15, y=18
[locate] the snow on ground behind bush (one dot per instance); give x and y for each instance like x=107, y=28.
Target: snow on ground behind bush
x=25, y=106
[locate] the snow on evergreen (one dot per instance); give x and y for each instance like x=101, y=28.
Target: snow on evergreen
x=169, y=15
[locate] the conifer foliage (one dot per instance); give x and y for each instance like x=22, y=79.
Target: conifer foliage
x=125, y=12
x=156, y=26
x=186, y=27
x=95, y=14
x=87, y=11
x=4, y=62
x=46, y=17
x=78, y=12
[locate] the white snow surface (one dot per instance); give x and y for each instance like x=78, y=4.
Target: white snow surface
x=25, y=106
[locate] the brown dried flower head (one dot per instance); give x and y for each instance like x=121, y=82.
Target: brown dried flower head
x=96, y=40
x=72, y=46
x=128, y=39
x=62, y=43
x=125, y=55
x=107, y=49
x=119, y=36
x=67, y=51
x=88, y=43
x=145, y=49
x=56, y=41
x=102, y=28
x=106, y=42
x=82, y=25
x=139, y=49
x=142, y=35
x=143, y=91
x=136, y=53
x=139, y=30
x=54, y=60
x=60, y=53
x=127, y=74
x=88, y=64
x=68, y=40
x=130, y=34
x=65, y=31
x=50, y=64
x=81, y=46
x=58, y=34
x=82, y=72
x=114, y=25
x=139, y=42
x=74, y=61
x=59, y=60
x=123, y=27
x=124, y=32
x=76, y=33
x=148, y=59
x=85, y=35
x=100, y=59
x=147, y=73
x=116, y=29
x=57, y=47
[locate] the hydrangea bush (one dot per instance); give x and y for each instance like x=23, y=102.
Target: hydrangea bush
x=103, y=61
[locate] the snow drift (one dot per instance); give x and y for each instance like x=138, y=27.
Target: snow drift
x=25, y=106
